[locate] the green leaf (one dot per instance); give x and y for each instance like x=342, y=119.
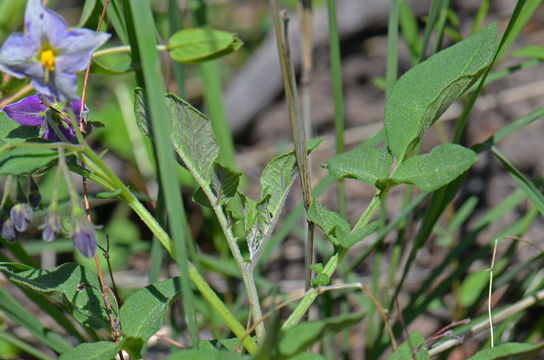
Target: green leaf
x=328, y=221
x=191, y=135
x=509, y=351
x=25, y=160
x=108, y=194
x=224, y=186
x=86, y=12
x=193, y=46
x=363, y=163
x=64, y=284
x=142, y=314
x=348, y=239
x=197, y=354
x=100, y=350
x=424, y=92
x=414, y=342
x=276, y=181
x=112, y=64
x=302, y=336
x=433, y=170
x=336, y=228
x=472, y=287
x=532, y=51
x=12, y=132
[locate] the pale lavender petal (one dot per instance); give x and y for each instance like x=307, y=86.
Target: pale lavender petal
x=77, y=47
x=43, y=23
x=28, y=111
x=61, y=85
x=17, y=56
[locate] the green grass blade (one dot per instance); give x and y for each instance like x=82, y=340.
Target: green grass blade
x=441, y=25
x=525, y=184
x=20, y=315
x=434, y=13
x=29, y=349
x=522, y=18
x=146, y=47
x=410, y=31
x=472, y=100
x=480, y=16
x=336, y=71
x=510, y=128
x=392, y=47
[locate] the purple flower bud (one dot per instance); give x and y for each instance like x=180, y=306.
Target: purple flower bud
x=84, y=236
x=52, y=226
x=21, y=216
x=8, y=231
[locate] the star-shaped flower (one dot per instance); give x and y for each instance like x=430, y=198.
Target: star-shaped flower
x=48, y=52
x=32, y=111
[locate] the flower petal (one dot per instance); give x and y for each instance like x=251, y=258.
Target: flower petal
x=17, y=56
x=76, y=48
x=28, y=111
x=61, y=85
x=85, y=240
x=44, y=24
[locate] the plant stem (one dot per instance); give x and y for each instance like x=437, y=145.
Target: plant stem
x=333, y=263
x=165, y=240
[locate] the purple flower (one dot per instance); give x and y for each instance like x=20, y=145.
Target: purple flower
x=21, y=216
x=31, y=111
x=84, y=236
x=49, y=52
x=52, y=226
x=8, y=231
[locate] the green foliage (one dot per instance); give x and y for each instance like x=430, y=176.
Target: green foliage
x=509, y=351
x=224, y=186
x=413, y=348
x=424, y=92
x=196, y=354
x=193, y=46
x=276, y=180
x=70, y=284
x=142, y=314
x=431, y=171
x=25, y=160
x=100, y=350
x=11, y=132
x=302, y=336
x=363, y=163
x=336, y=228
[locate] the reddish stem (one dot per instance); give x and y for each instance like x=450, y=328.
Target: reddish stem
x=105, y=290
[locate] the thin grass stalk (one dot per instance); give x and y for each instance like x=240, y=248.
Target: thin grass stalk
x=305, y=14
x=434, y=12
x=338, y=96
x=297, y=126
x=145, y=45
x=441, y=25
